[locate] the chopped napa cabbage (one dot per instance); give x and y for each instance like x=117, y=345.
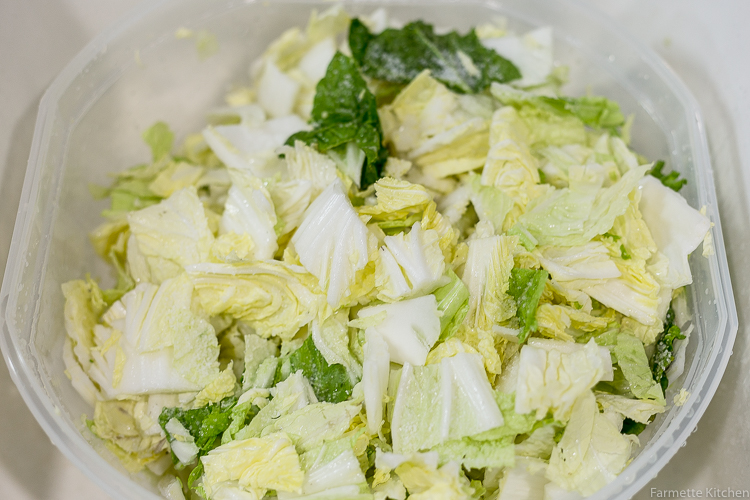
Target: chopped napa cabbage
x=231, y=344
x=127, y=431
x=397, y=200
x=442, y=402
x=410, y=264
x=249, y=210
x=580, y=265
x=400, y=204
x=591, y=453
x=625, y=159
x=182, y=444
x=636, y=293
x=290, y=199
x=251, y=145
x=527, y=286
x=409, y=327
x=631, y=231
x=446, y=349
x=108, y=238
x=277, y=91
x=294, y=63
x=167, y=237
x=645, y=333
x=233, y=248
x=349, y=161
x=560, y=120
x=363, y=282
x=178, y=175
x=375, y=373
x=540, y=126
x=333, y=243
x=289, y=395
x=316, y=423
x=564, y=322
x=435, y=128
x=254, y=465
x=396, y=167
x=531, y=53
x=453, y=304
x=487, y=276
x=557, y=161
x=525, y=481
x=455, y=204
x=539, y=443
x=639, y=410
x=257, y=351
x=552, y=374
x=510, y=166
x=573, y=216
x=632, y=360
x=152, y=342
x=160, y=139
x=423, y=479
x=331, y=338
x=171, y=488
x=676, y=227
x=490, y=203
x=331, y=471
x=492, y=448
x=79, y=379
x=307, y=164
x=83, y=306
x=219, y=388
x=293, y=45
x=487, y=344
x=274, y=298
x=564, y=294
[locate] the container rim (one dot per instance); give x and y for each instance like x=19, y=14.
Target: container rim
x=72, y=444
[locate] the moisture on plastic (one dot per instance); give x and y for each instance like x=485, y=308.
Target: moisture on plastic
x=138, y=72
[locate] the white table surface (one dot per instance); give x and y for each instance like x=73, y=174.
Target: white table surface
x=706, y=43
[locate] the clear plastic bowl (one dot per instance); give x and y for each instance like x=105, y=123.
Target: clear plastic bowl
x=138, y=72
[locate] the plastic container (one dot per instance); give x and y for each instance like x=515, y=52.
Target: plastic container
x=91, y=118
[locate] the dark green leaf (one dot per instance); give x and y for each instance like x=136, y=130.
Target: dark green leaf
x=671, y=180
x=345, y=111
x=664, y=353
x=359, y=38
x=453, y=303
x=205, y=424
x=329, y=382
x=632, y=427
x=526, y=286
x=460, y=62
